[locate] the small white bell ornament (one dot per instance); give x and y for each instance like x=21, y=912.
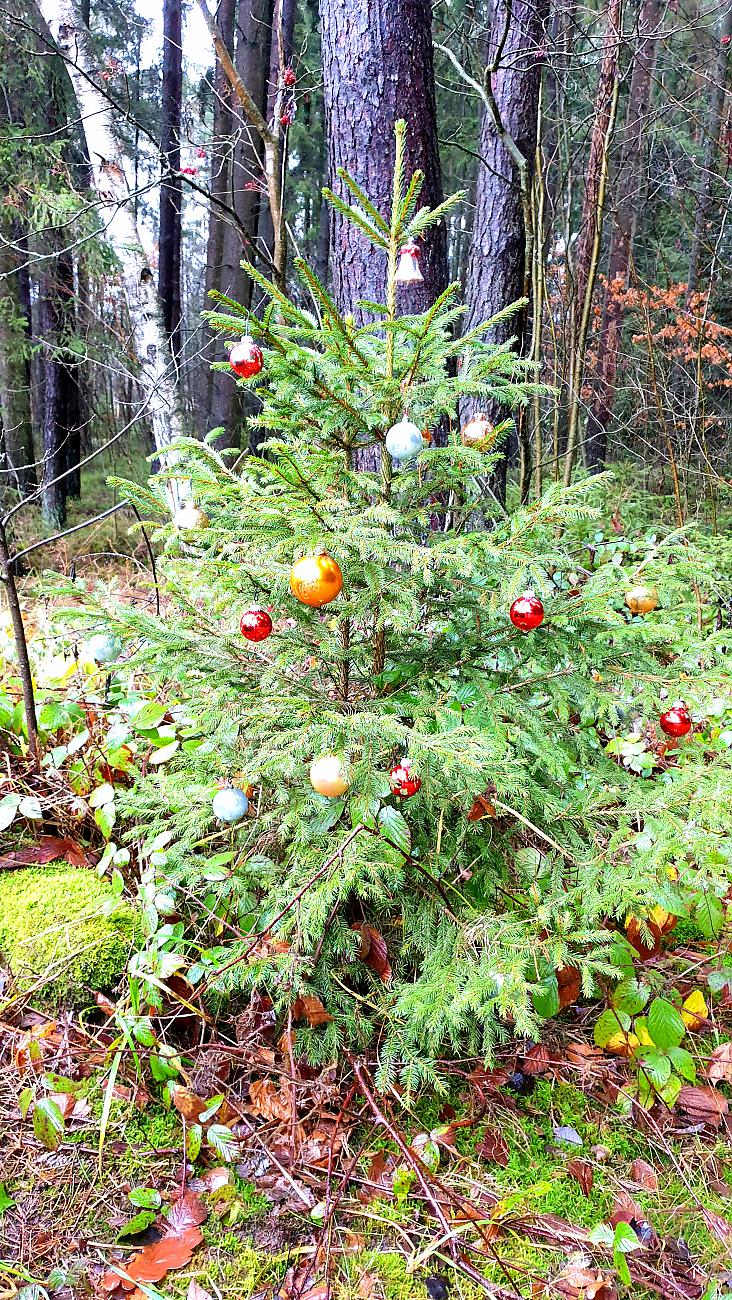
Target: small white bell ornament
x=408, y=270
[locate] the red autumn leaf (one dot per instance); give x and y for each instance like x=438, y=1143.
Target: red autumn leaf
x=537, y=1060
x=373, y=950
x=173, y=1251
x=64, y=1101
x=644, y=1175
x=569, y=981
x=185, y=1212
x=379, y=1177
x=703, y=1104
x=583, y=1173
x=187, y=1103
x=481, y=808
x=310, y=1008
x=625, y=1210
x=48, y=849
x=493, y=1147
x=213, y=1179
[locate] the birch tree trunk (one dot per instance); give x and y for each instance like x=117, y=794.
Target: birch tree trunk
x=157, y=372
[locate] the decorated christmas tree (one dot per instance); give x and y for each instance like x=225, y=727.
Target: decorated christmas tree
x=395, y=799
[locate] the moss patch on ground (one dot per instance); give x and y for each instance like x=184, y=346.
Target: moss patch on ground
x=63, y=931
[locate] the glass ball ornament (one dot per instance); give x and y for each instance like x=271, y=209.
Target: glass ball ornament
x=315, y=580
x=404, y=440
x=255, y=625
x=190, y=517
x=103, y=648
x=526, y=612
x=328, y=777
x=246, y=358
x=676, y=721
x=478, y=433
x=641, y=599
x=404, y=780
x=230, y=804
x=408, y=269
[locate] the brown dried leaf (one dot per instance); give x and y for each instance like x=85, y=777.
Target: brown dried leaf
x=569, y=981
x=64, y=1101
x=186, y=1211
x=579, y=1283
x=269, y=1101
x=379, y=1176
x=173, y=1251
x=197, y=1292
x=585, y=1057
x=493, y=1147
x=213, y=1180
x=644, y=1175
x=720, y=1068
x=376, y=955
x=481, y=808
x=721, y=1228
x=310, y=1008
x=537, y=1060
x=703, y=1104
x=625, y=1210
x=48, y=849
x=188, y=1104
x=583, y=1173
x=369, y=1286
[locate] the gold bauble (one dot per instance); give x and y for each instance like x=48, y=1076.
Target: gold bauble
x=641, y=599
x=327, y=776
x=316, y=579
x=190, y=516
x=478, y=433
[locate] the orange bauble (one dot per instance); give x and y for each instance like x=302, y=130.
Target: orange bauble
x=316, y=579
x=478, y=433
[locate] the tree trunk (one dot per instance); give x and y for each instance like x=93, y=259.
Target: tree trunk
x=53, y=482
x=629, y=187
x=280, y=56
x=498, y=265
x=700, y=244
x=157, y=373
x=17, y=468
x=171, y=192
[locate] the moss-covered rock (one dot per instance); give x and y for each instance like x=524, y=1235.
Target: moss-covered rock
x=61, y=931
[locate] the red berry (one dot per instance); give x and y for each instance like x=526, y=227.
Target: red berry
x=255, y=625
x=677, y=720
x=526, y=612
x=404, y=782
x=288, y=76
x=246, y=358
x=286, y=120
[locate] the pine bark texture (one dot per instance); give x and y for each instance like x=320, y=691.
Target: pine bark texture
x=17, y=468
x=497, y=263
x=171, y=191
x=377, y=68
x=701, y=247
x=629, y=188
x=157, y=374
x=282, y=17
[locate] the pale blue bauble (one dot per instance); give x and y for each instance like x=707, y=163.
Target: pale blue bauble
x=103, y=648
x=404, y=441
x=230, y=805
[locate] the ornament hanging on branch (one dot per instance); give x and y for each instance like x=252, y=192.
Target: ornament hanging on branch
x=641, y=599
x=230, y=804
x=404, y=440
x=408, y=268
x=404, y=780
x=103, y=648
x=328, y=777
x=676, y=721
x=190, y=517
x=316, y=579
x=246, y=358
x=255, y=625
x=478, y=433
x=527, y=612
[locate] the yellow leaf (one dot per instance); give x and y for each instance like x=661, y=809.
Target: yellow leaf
x=695, y=1010
x=622, y=1044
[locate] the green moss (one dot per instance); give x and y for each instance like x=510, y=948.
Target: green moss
x=155, y=1128
x=54, y=933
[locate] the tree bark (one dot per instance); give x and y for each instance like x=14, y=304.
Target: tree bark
x=700, y=247
x=157, y=372
x=17, y=471
x=171, y=191
x=499, y=259
x=280, y=56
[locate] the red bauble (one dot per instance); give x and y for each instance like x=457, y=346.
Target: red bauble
x=677, y=720
x=404, y=782
x=255, y=625
x=246, y=358
x=526, y=612
x=288, y=76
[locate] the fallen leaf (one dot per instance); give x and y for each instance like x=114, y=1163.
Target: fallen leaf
x=584, y=1057
x=269, y=1101
x=196, y=1291
x=565, y=1133
x=537, y=1060
x=721, y=1228
x=493, y=1147
x=48, y=849
x=187, y=1103
x=310, y=1008
x=186, y=1211
x=720, y=1068
x=213, y=1180
x=583, y=1173
x=579, y=1283
x=703, y=1104
x=64, y=1101
x=481, y=807
x=569, y=981
x=172, y=1251
x=625, y=1210
x=644, y=1175
x=694, y=1012
x=373, y=950
x=369, y=1286
x=378, y=1177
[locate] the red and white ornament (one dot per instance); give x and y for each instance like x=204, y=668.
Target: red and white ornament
x=404, y=781
x=255, y=625
x=246, y=358
x=288, y=76
x=408, y=270
x=526, y=612
x=676, y=721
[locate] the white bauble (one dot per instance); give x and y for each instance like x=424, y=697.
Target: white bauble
x=190, y=517
x=327, y=776
x=230, y=804
x=404, y=440
x=102, y=648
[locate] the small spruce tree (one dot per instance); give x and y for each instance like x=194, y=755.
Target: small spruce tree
x=437, y=921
